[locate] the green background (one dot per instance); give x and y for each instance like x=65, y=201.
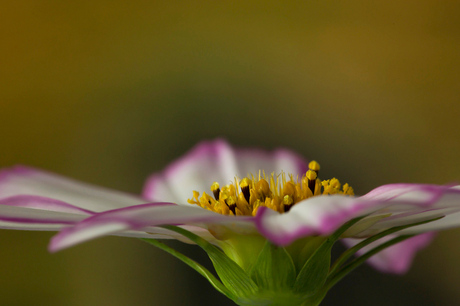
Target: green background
x=109, y=92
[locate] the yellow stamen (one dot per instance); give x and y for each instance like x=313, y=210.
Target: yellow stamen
x=314, y=166
x=245, y=185
x=263, y=187
x=287, y=202
x=289, y=188
x=276, y=191
x=215, y=190
x=311, y=177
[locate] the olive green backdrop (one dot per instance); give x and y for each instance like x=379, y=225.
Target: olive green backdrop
x=109, y=92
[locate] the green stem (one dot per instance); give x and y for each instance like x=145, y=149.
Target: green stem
x=233, y=277
x=193, y=264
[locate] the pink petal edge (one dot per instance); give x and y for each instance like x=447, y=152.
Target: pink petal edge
x=27, y=181
x=23, y=218
x=219, y=150
x=43, y=203
x=333, y=211
x=136, y=218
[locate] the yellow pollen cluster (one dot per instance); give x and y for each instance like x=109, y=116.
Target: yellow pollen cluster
x=278, y=192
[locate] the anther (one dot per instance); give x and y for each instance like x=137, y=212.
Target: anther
x=196, y=194
x=311, y=176
x=348, y=190
x=287, y=201
x=263, y=187
x=230, y=189
x=314, y=166
x=289, y=189
x=215, y=190
x=231, y=203
x=245, y=185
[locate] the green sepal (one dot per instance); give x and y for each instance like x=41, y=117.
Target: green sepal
x=351, y=251
x=243, y=249
x=274, y=269
x=302, y=249
x=335, y=277
x=232, y=275
x=314, y=273
x=339, y=269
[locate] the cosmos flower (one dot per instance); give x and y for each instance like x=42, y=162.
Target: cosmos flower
x=265, y=196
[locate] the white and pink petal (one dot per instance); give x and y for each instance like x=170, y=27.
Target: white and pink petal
x=143, y=218
x=410, y=203
x=320, y=215
x=216, y=161
x=25, y=218
x=20, y=180
x=392, y=205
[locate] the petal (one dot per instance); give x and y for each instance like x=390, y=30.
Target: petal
x=22, y=180
x=141, y=217
x=319, y=215
x=417, y=193
x=397, y=258
x=423, y=202
x=449, y=221
x=216, y=161
x=21, y=211
x=43, y=203
x=161, y=233
x=24, y=218
x=400, y=206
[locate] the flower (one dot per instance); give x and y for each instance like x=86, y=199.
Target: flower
x=289, y=211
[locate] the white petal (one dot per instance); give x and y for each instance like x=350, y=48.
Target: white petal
x=320, y=215
x=216, y=161
x=21, y=180
x=161, y=233
x=142, y=218
x=23, y=218
x=444, y=202
x=402, y=206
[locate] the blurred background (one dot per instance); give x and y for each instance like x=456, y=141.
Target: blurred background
x=108, y=92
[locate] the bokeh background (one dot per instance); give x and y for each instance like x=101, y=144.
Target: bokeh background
x=110, y=91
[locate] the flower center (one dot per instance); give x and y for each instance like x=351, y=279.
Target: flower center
x=278, y=192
